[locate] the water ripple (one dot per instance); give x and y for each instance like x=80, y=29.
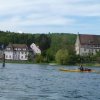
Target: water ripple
x=44, y=82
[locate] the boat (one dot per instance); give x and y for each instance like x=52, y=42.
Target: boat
x=75, y=70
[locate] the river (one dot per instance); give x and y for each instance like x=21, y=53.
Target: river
x=46, y=82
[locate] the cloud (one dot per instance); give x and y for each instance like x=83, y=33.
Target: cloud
x=15, y=14
x=35, y=20
x=64, y=7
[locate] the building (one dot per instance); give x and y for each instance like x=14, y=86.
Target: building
x=16, y=52
x=35, y=49
x=87, y=44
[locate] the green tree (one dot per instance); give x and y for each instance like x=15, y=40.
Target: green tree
x=62, y=56
x=97, y=57
x=38, y=59
x=44, y=42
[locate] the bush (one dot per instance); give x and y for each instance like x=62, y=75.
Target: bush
x=38, y=59
x=62, y=56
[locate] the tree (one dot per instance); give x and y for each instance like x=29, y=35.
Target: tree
x=62, y=56
x=50, y=55
x=44, y=42
x=97, y=56
x=38, y=59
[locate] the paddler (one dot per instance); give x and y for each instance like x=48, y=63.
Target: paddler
x=81, y=68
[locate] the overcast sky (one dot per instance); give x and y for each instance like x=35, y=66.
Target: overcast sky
x=43, y=16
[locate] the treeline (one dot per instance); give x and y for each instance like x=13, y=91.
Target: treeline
x=55, y=47
x=49, y=43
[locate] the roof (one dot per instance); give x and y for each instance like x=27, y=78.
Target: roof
x=89, y=39
x=21, y=46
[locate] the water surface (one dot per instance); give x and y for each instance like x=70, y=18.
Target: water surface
x=45, y=82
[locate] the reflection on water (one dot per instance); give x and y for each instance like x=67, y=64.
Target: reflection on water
x=45, y=82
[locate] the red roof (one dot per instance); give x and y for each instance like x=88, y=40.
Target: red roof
x=89, y=39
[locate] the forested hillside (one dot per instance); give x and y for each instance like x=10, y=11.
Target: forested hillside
x=28, y=38
x=49, y=43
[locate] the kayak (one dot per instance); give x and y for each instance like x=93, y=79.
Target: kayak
x=75, y=70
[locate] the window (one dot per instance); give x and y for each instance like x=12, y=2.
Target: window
x=15, y=48
x=24, y=48
x=6, y=56
x=8, y=48
x=9, y=56
x=19, y=48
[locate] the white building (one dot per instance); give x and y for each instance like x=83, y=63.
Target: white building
x=16, y=52
x=87, y=44
x=35, y=49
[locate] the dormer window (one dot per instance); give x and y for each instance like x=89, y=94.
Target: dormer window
x=19, y=48
x=24, y=48
x=15, y=49
x=8, y=48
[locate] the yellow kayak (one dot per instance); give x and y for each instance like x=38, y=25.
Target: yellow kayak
x=74, y=70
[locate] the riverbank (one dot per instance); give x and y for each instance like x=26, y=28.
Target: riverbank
x=31, y=62
x=20, y=62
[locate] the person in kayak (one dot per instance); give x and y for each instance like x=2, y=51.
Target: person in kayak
x=84, y=69
x=81, y=68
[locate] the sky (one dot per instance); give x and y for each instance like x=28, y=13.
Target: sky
x=44, y=16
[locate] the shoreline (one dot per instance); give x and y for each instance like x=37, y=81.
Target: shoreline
x=53, y=64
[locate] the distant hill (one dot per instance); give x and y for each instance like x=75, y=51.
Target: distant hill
x=57, y=39
x=49, y=43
